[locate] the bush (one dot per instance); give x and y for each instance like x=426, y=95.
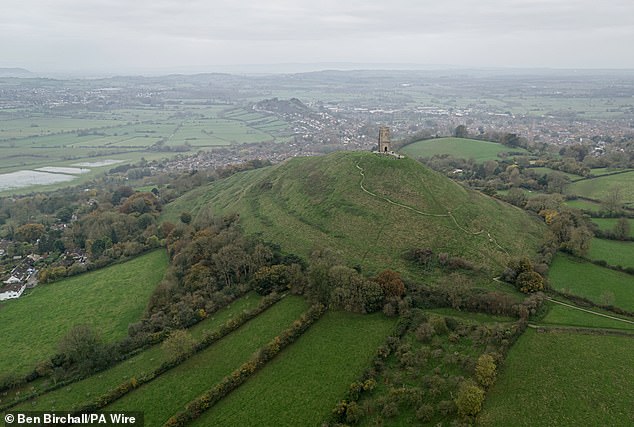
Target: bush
x=530, y=281
x=469, y=399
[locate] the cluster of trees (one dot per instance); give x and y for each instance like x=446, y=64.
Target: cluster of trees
x=522, y=274
x=402, y=364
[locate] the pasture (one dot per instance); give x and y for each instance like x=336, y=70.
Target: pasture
x=542, y=384
x=108, y=299
x=599, y=284
x=32, y=140
x=309, y=377
x=584, y=205
x=167, y=394
x=607, y=224
x=599, y=188
x=613, y=252
x=464, y=148
x=84, y=391
x=567, y=316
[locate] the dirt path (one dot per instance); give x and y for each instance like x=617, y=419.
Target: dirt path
x=589, y=311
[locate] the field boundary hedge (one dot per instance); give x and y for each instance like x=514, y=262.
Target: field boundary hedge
x=260, y=358
x=207, y=340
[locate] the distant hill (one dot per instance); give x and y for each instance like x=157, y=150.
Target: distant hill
x=14, y=72
x=374, y=219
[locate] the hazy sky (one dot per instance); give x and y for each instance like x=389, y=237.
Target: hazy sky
x=144, y=36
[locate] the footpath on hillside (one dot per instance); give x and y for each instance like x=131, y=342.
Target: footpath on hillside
x=446, y=215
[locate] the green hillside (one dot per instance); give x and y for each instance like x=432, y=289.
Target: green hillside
x=372, y=220
x=464, y=148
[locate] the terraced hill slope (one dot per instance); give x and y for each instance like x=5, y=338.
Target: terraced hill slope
x=371, y=208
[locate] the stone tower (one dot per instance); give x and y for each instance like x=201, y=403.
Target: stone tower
x=385, y=146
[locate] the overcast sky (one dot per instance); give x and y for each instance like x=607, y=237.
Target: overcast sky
x=154, y=36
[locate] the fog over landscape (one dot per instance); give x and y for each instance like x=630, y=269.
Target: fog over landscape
x=167, y=36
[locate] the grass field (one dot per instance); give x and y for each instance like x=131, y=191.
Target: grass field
x=108, y=299
x=591, y=281
x=613, y=252
x=82, y=392
x=37, y=140
x=309, y=377
x=318, y=201
x=168, y=394
x=598, y=188
x=480, y=151
x=470, y=316
x=562, y=315
x=546, y=171
x=607, y=224
x=563, y=379
x=584, y=205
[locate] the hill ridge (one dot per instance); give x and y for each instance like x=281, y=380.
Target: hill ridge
x=341, y=201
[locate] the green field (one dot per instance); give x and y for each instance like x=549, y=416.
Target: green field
x=308, y=378
x=37, y=140
x=563, y=379
x=613, y=252
x=584, y=205
x=166, y=395
x=464, y=148
x=313, y=201
x=579, y=277
x=546, y=171
x=607, y=224
x=567, y=316
x=598, y=188
x=84, y=391
x=108, y=299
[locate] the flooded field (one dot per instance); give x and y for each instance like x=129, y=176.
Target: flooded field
x=26, y=178
x=55, y=169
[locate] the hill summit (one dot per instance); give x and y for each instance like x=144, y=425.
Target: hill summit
x=371, y=208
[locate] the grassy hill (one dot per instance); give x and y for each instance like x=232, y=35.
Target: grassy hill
x=464, y=148
x=372, y=219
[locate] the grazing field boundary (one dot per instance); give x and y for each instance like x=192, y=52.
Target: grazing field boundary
x=198, y=406
x=124, y=388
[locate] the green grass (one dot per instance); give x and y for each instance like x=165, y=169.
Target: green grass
x=166, y=395
x=607, y=224
x=562, y=315
x=598, y=188
x=108, y=299
x=473, y=317
x=591, y=281
x=584, y=205
x=563, y=379
x=613, y=252
x=313, y=201
x=546, y=171
x=305, y=381
x=480, y=151
x=84, y=391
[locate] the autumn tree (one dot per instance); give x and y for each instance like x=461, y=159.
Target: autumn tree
x=391, y=283
x=621, y=229
x=486, y=370
x=29, y=232
x=178, y=343
x=613, y=201
x=530, y=281
x=469, y=399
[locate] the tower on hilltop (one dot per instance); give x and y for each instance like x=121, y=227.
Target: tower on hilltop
x=385, y=146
